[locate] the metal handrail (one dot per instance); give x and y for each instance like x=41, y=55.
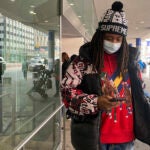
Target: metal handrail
x=37, y=114
x=13, y=133
x=3, y=95
x=19, y=146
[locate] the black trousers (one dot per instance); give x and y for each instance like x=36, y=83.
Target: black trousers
x=85, y=135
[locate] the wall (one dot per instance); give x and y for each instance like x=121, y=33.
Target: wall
x=71, y=45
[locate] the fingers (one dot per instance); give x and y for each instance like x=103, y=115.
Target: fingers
x=104, y=103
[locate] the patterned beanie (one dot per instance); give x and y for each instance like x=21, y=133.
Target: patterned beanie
x=114, y=20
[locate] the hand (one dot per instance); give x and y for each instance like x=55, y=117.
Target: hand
x=104, y=103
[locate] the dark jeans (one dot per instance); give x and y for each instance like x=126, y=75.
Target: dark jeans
x=123, y=146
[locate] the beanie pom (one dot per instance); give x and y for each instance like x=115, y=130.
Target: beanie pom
x=117, y=6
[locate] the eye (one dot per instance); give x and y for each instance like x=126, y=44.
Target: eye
x=108, y=38
x=119, y=40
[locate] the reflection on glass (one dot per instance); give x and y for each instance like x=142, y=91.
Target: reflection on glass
x=27, y=83
x=85, y=11
x=44, y=140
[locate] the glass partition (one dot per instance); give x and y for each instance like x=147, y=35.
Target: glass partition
x=30, y=64
x=85, y=12
x=44, y=140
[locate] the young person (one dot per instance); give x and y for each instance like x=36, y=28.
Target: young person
x=96, y=88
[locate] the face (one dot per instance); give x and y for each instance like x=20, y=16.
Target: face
x=113, y=38
x=65, y=57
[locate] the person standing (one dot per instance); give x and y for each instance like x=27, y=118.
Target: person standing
x=96, y=88
x=25, y=69
x=65, y=62
x=1, y=71
x=2, y=68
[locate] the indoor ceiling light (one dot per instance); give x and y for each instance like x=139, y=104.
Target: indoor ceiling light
x=141, y=22
x=71, y=4
x=46, y=21
x=32, y=6
x=79, y=16
x=32, y=12
x=12, y=0
x=136, y=28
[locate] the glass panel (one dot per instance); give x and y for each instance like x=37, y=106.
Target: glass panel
x=29, y=61
x=85, y=11
x=45, y=139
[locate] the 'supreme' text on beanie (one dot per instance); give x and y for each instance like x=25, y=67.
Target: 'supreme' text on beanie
x=114, y=20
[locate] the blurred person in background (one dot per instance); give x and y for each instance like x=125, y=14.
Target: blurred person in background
x=65, y=62
x=142, y=66
x=1, y=71
x=25, y=68
x=2, y=67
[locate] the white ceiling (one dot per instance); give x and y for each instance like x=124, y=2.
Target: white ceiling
x=137, y=13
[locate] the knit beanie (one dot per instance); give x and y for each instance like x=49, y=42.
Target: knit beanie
x=114, y=20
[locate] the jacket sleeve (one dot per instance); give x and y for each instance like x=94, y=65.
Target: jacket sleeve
x=77, y=102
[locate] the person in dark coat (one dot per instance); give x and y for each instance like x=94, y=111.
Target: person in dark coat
x=25, y=69
x=1, y=72
x=2, y=68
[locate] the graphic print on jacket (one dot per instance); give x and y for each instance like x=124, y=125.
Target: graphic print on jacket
x=76, y=100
